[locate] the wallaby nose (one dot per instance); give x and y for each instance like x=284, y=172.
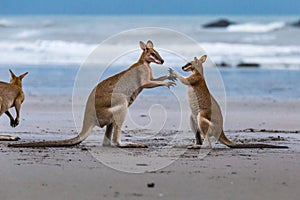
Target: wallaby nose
x=162, y=61
x=182, y=68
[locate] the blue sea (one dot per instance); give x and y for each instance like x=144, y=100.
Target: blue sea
x=52, y=49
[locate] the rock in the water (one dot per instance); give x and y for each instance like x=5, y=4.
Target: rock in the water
x=242, y=64
x=297, y=24
x=223, y=64
x=218, y=23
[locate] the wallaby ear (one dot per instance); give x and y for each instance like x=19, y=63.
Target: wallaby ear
x=12, y=75
x=143, y=46
x=149, y=44
x=203, y=59
x=196, y=59
x=23, y=75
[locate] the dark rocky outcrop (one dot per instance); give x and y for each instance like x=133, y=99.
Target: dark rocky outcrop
x=243, y=64
x=221, y=23
x=296, y=24
x=223, y=64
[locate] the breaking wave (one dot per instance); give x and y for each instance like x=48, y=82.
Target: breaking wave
x=57, y=52
x=255, y=27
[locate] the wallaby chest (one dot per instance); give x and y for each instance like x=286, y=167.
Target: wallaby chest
x=198, y=95
x=127, y=82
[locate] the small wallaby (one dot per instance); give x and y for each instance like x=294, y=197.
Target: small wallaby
x=108, y=102
x=206, y=118
x=12, y=95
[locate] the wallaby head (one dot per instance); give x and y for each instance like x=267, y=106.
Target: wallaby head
x=16, y=80
x=150, y=54
x=195, y=65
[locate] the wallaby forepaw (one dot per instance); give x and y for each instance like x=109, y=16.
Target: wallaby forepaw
x=172, y=72
x=171, y=77
x=170, y=84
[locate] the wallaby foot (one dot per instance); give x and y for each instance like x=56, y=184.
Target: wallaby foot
x=9, y=138
x=194, y=146
x=14, y=123
x=106, y=143
x=198, y=146
x=131, y=145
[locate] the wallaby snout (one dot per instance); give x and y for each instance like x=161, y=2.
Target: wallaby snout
x=186, y=67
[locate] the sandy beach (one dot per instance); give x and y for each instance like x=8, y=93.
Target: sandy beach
x=89, y=171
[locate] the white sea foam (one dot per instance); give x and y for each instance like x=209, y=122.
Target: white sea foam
x=266, y=55
x=5, y=23
x=255, y=27
x=249, y=49
x=44, y=52
x=27, y=34
x=58, y=52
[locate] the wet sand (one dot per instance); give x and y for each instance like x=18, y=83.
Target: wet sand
x=163, y=171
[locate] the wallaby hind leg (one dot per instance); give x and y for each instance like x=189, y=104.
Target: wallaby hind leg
x=7, y=137
x=107, y=136
x=205, y=129
x=196, y=131
x=12, y=121
x=119, y=113
x=18, y=103
x=117, y=139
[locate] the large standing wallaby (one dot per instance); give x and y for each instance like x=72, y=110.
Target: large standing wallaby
x=108, y=102
x=206, y=117
x=12, y=95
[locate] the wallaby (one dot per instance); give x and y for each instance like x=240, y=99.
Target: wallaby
x=108, y=102
x=206, y=117
x=12, y=95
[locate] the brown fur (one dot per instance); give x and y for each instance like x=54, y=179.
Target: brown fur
x=108, y=102
x=206, y=118
x=11, y=95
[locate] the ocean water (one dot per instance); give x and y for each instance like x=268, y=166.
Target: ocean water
x=52, y=48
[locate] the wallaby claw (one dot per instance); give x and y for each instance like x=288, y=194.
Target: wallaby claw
x=172, y=75
x=171, y=71
x=170, y=84
x=172, y=78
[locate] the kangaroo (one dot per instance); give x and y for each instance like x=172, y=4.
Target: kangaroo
x=206, y=117
x=12, y=95
x=108, y=102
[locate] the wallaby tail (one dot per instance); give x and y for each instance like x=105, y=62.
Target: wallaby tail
x=58, y=143
x=52, y=143
x=223, y=139
x=257, y=146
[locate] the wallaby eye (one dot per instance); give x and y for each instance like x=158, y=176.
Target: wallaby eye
x=152, y=54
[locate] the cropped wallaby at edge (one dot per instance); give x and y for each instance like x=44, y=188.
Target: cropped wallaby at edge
x=206, y=118
x=108, y=102
x=11, y=95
